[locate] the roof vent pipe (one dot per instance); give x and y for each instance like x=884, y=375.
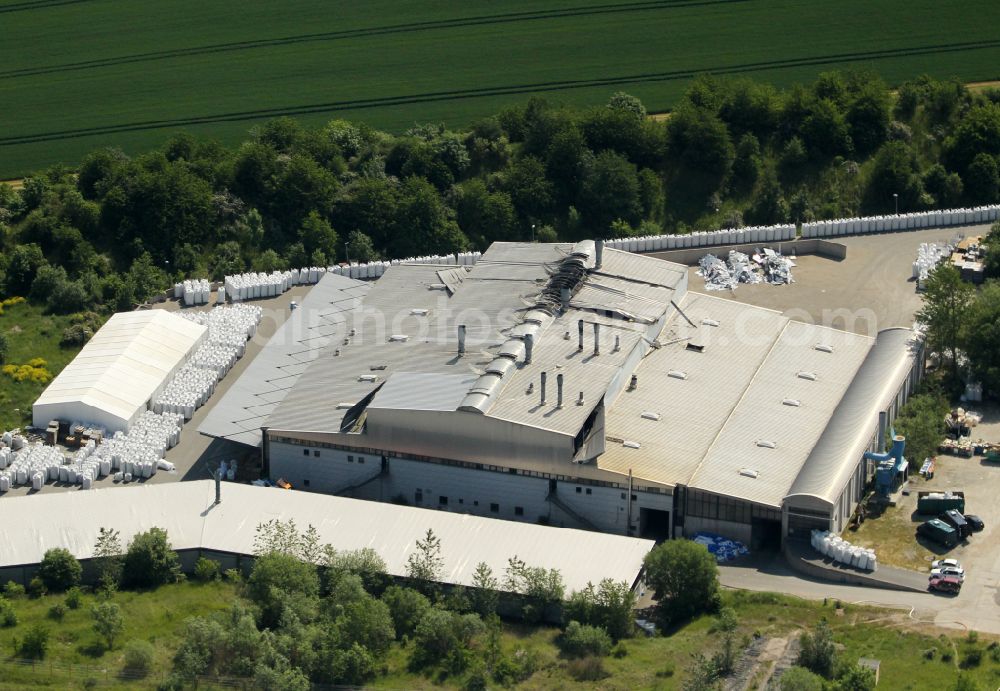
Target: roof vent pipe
x=618, y=343
x=218, y=485
x=461, y=339
x=579, y=401
x=580, y=326
x=564, y=295
x=598, y=254
x=544, y=375
x=559, y=390
x=529, y=343
x=597, y=338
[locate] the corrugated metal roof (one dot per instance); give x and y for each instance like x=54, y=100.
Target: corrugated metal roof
x=127, y=361
x=781, y=407
x=422, y=391
x=492, y=299
x=186, y=511
x=320, y=318
x=855, y=421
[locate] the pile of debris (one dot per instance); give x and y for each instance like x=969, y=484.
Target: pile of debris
x=763, y=266
x=722, y=548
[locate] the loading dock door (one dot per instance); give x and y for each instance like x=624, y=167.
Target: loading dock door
x=654, y=524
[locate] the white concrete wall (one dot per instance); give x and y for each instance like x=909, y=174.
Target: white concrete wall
x=332, y=470
x=517, y=497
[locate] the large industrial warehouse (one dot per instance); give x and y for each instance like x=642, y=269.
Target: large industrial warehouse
x=572, y=385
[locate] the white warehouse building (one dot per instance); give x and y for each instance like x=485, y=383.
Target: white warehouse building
x=128, y=361
x=572, y=385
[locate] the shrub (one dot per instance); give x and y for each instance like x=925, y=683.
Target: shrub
x=587, y=669
x=150, y=560
x=206, y=569
x=139, y=657
x=233, y=575
x=8, y=617
x=35, y=643
x=620, y=650
x=666, y=671
x=579, y=640
x=75, y=335
x=972, y=658
x=36, y=587
x=930, y=653
x=73, y=597
x=13, y=590
x=407, y=608
x=800, y=679
x=59, y=569
x=57, y=611
x=818, y=653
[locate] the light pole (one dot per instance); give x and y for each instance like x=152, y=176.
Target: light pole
x=347, y=254
x=532, y=232
x=895, y=198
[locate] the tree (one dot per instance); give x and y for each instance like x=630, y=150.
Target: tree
x=769, y=206
x=627, y=103
x=610, y=191
x=699, y=143
x=484, y=594
x=608, y=606
x=425, y=562
x=817, y=652
x=856, y=678
x=800, y=679
x=108, y=557
x=280, y=678
x=59, y=569
x=35, y=643
x=946, y=298
x=825, y=131
x=982, y=180
x=317, y=235
x=747, y=164
x=407, y=607
x=921, y=422
x=684, y=578
x=980, y=335
x=360, y=247
x=977, y=133
x=895, y=171
x=280, y=582
x=150, y=560
x=108, y=622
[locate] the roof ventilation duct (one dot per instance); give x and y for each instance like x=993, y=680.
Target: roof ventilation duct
x=579, y=325
x=811, y=376
x=824, y=347
x=461, y=339
x=792, y=402
x=559, y=390
x=529, y=344
x=542, y=386
x=597, y=338
x=598, y=254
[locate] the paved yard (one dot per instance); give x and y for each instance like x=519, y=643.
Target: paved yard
x=871, y=289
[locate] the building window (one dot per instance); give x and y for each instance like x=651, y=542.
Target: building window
x=512, y=471
x=475, y=503
x=623, y=496
x=443, y=501
x=579, y=489
x=461, y=501
x=418, y=497
x=305, y=452
x=316, y=453
x=361, y=459
x=350, y=459
x=494, y=508
x=589, y=491
x=305, y=483
x=518, y=510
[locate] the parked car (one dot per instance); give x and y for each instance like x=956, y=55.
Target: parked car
x=945, y=584
x=941, y=563
x=956, y=520
x=975, y=522
x=950, y=571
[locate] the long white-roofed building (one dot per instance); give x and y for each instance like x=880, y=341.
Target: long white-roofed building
x=586, y=387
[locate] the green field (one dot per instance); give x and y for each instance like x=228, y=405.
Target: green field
x=75, y=653
x=80, y=74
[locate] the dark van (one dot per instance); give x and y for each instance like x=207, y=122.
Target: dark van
x=956, y=520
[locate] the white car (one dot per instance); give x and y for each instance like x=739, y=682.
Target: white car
x=949, y=571
x=943, y=563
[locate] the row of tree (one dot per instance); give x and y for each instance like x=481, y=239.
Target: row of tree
x=117, y=228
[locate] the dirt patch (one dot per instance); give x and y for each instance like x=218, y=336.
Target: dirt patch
x=981, y=86
x=658, y=117
x=17, y=183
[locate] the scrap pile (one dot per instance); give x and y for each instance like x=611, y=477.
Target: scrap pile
x=764, y=266
x=722, y=548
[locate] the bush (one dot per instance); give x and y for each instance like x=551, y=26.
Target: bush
x=620, y=650
x=13, y=590
x=587, y=669
x=407, y=608
x=817, y=653
x=666, y=671
x=8, y=617
x=74, y=596
x=206, y=569
x=684, y=578
x=35, y=643
x=579, y=640
x=36, y=587
x=150, y=560
x=972, y=658
x=233, y=576
x=57, y=611
x=139, y=657
x=59, y=569
x=800, y=679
